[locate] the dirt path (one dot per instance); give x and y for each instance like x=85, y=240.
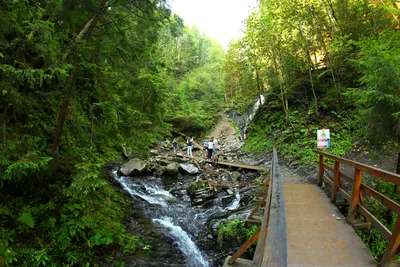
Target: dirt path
x=224, y=132
x=227, y=136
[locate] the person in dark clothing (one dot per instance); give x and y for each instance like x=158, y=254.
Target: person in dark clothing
x=210, y=148
x=175, y=144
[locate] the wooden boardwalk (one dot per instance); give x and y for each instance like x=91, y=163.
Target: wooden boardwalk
x=317, y=233
x=226, y=164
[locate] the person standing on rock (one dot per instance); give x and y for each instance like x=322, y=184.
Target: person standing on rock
x=189, y=143
x=216, y=147
x=210, y=148
x=205, y=149
x=175, y=144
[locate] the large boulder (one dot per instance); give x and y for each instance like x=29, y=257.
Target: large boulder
x=171, y=169
x=133, y=167
x=233, y=147
x=188, y=168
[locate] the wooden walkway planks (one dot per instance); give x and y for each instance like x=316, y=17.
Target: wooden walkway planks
x=243, y=166
x=227, y=164
x=317, y=238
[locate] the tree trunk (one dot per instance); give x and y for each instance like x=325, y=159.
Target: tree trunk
x=63, y=111
x=310, y=65
x=396, y=187
x=257, y=77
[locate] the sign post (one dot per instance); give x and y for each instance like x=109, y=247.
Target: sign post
x=323, y=138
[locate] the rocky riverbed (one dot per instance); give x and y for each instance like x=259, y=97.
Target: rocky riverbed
x=180, y=201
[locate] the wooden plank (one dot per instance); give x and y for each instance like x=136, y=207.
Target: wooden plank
x=257, y=207
x=355, y=196
x=238, y=263
x=381, y=228
x=336, y=174
x=245, y=246
x=243, y=166
x=258, y=254
x=255, y=220
x=315, y=237
x=264, y=186
x=275, y=249
x=222, y=163
x=385, y=175
x=321, y=170
x=393, y=246
x=387, y=202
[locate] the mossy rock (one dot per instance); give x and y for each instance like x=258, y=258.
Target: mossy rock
x=194, y=186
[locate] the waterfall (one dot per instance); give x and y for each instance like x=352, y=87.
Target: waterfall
x=244, y=119
x=185, y=244
x=172, y=217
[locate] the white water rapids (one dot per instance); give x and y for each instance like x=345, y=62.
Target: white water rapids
x=176, y=216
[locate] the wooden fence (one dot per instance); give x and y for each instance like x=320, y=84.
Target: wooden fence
x=271, y=247
x=356, y=199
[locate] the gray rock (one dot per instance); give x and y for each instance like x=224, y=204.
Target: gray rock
x=162, y=162
x=188, y=168
x=233, y=147
x=154, y=151
x=171, y=169
x=230, y=192
x=235, y=176
x=133, y=167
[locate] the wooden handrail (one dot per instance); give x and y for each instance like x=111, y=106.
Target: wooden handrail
x=357, y=188
x=275, y=248
x=271, y=248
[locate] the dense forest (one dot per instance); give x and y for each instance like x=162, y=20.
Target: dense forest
x=82, y=82
x=323, y=64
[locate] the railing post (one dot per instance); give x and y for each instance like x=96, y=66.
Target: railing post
x=356, y=195
x=336, y=172
x=393, y=246
x=321, y=170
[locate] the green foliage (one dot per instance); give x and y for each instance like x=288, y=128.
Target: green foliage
x=297, y=139
x=376, y=243
x=236, y=230
x=194, y=78
x=26, y=219
x=119, y=97
x=379, y=62
x=30, y=165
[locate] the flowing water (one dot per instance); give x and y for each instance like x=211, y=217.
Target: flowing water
x=243, y=119
x=169, y=206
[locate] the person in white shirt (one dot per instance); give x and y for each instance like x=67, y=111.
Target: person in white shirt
x=189, y=143
x=216, y=147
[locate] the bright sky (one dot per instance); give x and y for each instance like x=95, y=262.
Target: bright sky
x=221, y=20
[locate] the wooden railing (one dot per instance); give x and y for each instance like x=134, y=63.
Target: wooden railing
x=271, y=248
x=356, y=199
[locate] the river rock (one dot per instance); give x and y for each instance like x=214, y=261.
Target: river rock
x=235, y=176
x=162, y=161
x=188, y=168
x=154, y=151
x=233, y=147
x=171, y=169
x=194, y=186
x=133, y=167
